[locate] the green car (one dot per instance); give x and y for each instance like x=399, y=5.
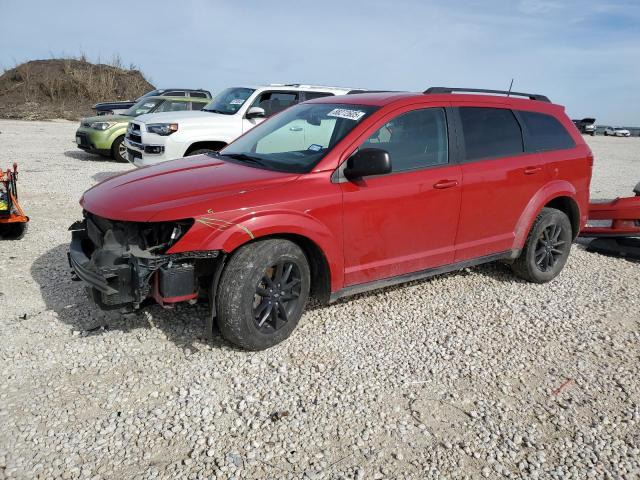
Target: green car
x=104, y=134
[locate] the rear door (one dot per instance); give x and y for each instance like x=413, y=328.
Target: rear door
x=404, y=221
x=498, y=179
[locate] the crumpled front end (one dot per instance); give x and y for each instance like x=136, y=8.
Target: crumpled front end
x=125, y=263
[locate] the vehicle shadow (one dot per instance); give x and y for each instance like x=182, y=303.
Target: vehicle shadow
x=102, y=176
x=86, y=156
x=184, y=325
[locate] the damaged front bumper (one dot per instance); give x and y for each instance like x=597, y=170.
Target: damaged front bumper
x=124, y=263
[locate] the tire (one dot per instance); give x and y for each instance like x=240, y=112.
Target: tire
x=606, y=134
x=201, y=151
x=245, y=300
x=13, y=231
x=119, y=151
x=546, y=250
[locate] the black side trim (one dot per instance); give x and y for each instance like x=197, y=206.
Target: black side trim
x=532, y=96
x=422, y=274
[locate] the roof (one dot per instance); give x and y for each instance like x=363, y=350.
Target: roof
x=302, y=87
x=381, y=99
x=183, y=99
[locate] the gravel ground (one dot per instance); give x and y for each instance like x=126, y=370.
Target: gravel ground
x=469, y=375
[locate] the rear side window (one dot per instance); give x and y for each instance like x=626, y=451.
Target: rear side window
x=198, y=94
x=490, y=133
x=197, y=105
x=545, y=132
x=312, y=95
x=175, y=93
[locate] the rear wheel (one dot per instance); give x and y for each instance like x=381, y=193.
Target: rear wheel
x=262, y=293
x=547, y=247
x=119, y=150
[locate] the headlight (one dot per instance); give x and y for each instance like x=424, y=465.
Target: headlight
x=163, y=129
x=101, y=125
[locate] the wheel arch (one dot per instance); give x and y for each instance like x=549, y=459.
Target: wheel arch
x=212, y=144
x=559, y=194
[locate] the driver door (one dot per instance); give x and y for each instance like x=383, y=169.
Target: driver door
x=404, y=221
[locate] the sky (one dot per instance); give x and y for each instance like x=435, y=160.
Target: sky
x=584, y=54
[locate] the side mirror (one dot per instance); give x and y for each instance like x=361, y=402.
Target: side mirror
x=366, y=162
x=256, y=112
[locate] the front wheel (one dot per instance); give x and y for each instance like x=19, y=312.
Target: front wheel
x=201, y=151
x=547, y=247
x=119, y=150
x=262, y=293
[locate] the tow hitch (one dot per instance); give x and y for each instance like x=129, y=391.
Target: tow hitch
x=615, y=226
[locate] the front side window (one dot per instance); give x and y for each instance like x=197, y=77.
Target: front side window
x=229, y=101
x=415, y=139
x=275, y=102
x=197, y=105
x=490, y=133
x=545, y=132
x=296, y=140
x=171, y=106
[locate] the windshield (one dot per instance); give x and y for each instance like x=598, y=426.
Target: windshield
x=298, y=138
x=229, y=101
x=143, y=106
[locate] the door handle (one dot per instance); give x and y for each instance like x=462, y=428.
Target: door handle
x=295, y=129
x=442, y=184
x=532, y=170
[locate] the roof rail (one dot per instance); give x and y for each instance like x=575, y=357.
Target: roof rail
x=532, y=96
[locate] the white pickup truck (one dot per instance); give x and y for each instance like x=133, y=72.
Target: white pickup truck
x=164, y=136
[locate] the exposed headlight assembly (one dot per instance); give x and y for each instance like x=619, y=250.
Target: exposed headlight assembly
x=101, y=125
x=163, y=129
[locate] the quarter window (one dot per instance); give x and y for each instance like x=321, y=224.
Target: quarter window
x=415, y=139
x=490, y=133
x=545, y=132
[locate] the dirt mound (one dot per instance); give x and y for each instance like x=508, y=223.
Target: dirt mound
x=65, y=88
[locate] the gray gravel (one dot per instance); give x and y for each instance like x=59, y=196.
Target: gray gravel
x=468, y=375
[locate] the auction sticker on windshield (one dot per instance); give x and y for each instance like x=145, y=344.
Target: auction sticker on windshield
x=346, y=113
x=236, y=101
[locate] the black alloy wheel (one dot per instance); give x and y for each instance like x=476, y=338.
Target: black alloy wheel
x=277, y=296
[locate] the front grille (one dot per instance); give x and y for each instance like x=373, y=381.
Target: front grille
x=84, y=140
x=134, y=138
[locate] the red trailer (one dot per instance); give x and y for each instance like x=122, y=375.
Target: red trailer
x=13, y=221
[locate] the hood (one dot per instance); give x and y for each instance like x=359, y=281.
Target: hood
x=177, y=189
x=106, y=118
x=179, y=117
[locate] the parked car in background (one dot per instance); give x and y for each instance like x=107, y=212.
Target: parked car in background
x=231, y=113
x=104, y=134
x=115, y=108
x=586, y=126
x=617, y=131
x=381, y=188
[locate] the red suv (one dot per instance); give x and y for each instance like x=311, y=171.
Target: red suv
x=337, y=196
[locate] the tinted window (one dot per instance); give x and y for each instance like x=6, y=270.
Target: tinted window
x=172, y=106
x=175, y=93
x=274, y=102
x=545, y=132
x=414, y=139
x=199, y=94
x=197, y=105
x=490, y=133
x=312, y=95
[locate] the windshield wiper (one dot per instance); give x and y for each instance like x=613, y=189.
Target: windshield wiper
x=243, y=157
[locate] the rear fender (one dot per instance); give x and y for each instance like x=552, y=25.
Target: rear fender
x=555, y=189
x=211, y=232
